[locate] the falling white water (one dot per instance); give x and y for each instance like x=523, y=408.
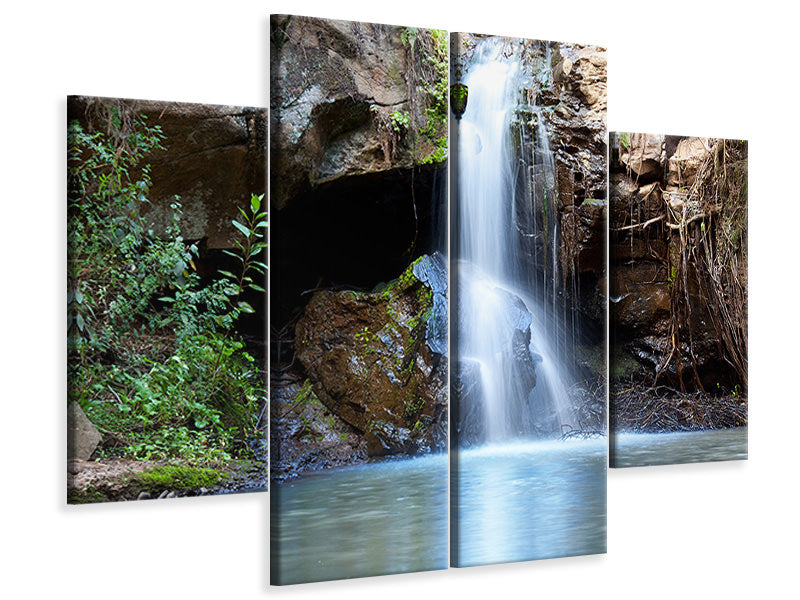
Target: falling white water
x=497, y=305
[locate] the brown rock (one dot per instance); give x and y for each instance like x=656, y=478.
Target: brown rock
x=640, y=297
x=645, y=154
x=215, y=158
x=335, y=86
x=684, y=163
x=368, y=360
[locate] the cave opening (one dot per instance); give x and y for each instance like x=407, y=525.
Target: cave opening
x=355, y=233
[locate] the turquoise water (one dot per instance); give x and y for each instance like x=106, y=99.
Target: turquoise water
x=512, y=502
x=374, y=519
x=642, y=449
x=530, y=500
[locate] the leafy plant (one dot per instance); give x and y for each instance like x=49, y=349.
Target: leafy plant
x=400, y=121
x=154, y=359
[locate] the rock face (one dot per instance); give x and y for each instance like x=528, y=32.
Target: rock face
x=644, y=154
x=572, y=101
x=577, y=122
x=376, y=359
x=661, y=322
x=215, y=158
x=306, y=436
x=347, y=100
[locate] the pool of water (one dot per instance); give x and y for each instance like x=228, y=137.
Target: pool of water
x=374, y=519
x=512, y=502
x=528, y=501
x=642, y=449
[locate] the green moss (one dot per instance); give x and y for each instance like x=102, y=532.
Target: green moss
x=431, y=146
x=390, y=311
x=408, y=279
x=87, y=495
x=366, y=336
x=458, y=98
x=175, y=477
x=413, y=408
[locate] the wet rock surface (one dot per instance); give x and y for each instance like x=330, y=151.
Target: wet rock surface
x=371, y=361
x=370, y=377
x=519, y=364
x=306, y=436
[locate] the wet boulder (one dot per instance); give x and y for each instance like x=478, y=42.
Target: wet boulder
x=511, y=371
x=376, y=360
x=468, y=410
x=432, y=272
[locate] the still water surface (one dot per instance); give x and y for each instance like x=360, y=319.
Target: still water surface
x=374, y=519
x=531, y=500
x=640, y=449
x=515, y=502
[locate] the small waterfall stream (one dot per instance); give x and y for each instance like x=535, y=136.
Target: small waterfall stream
x=508, y=332
x=516, y=493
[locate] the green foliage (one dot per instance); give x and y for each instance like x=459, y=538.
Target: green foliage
x=153, y=357
x=624, y=140
x=435, y=129
x=400, y=121
x=459, y=94
x=408, y=36
x=428, y=76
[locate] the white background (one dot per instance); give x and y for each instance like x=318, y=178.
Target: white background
x=697, y=531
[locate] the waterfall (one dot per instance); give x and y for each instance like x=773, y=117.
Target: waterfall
x=510, y=382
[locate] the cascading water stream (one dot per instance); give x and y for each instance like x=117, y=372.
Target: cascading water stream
x=505, y=331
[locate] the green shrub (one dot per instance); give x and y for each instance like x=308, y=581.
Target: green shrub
x=154, y=358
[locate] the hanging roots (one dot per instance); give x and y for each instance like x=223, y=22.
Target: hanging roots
x=706, y=230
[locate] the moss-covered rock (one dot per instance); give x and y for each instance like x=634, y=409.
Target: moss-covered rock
x=459, y=94
x=108, y=481
x=375, y=359
x=174, y=478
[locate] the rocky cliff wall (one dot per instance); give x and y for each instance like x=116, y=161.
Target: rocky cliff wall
x=351, y=98
x=214, y=159
x=678, y=257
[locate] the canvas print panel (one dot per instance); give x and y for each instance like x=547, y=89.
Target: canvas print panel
x=678, y=298
x=165, y=299
x=358, y=303
x=528, y=220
